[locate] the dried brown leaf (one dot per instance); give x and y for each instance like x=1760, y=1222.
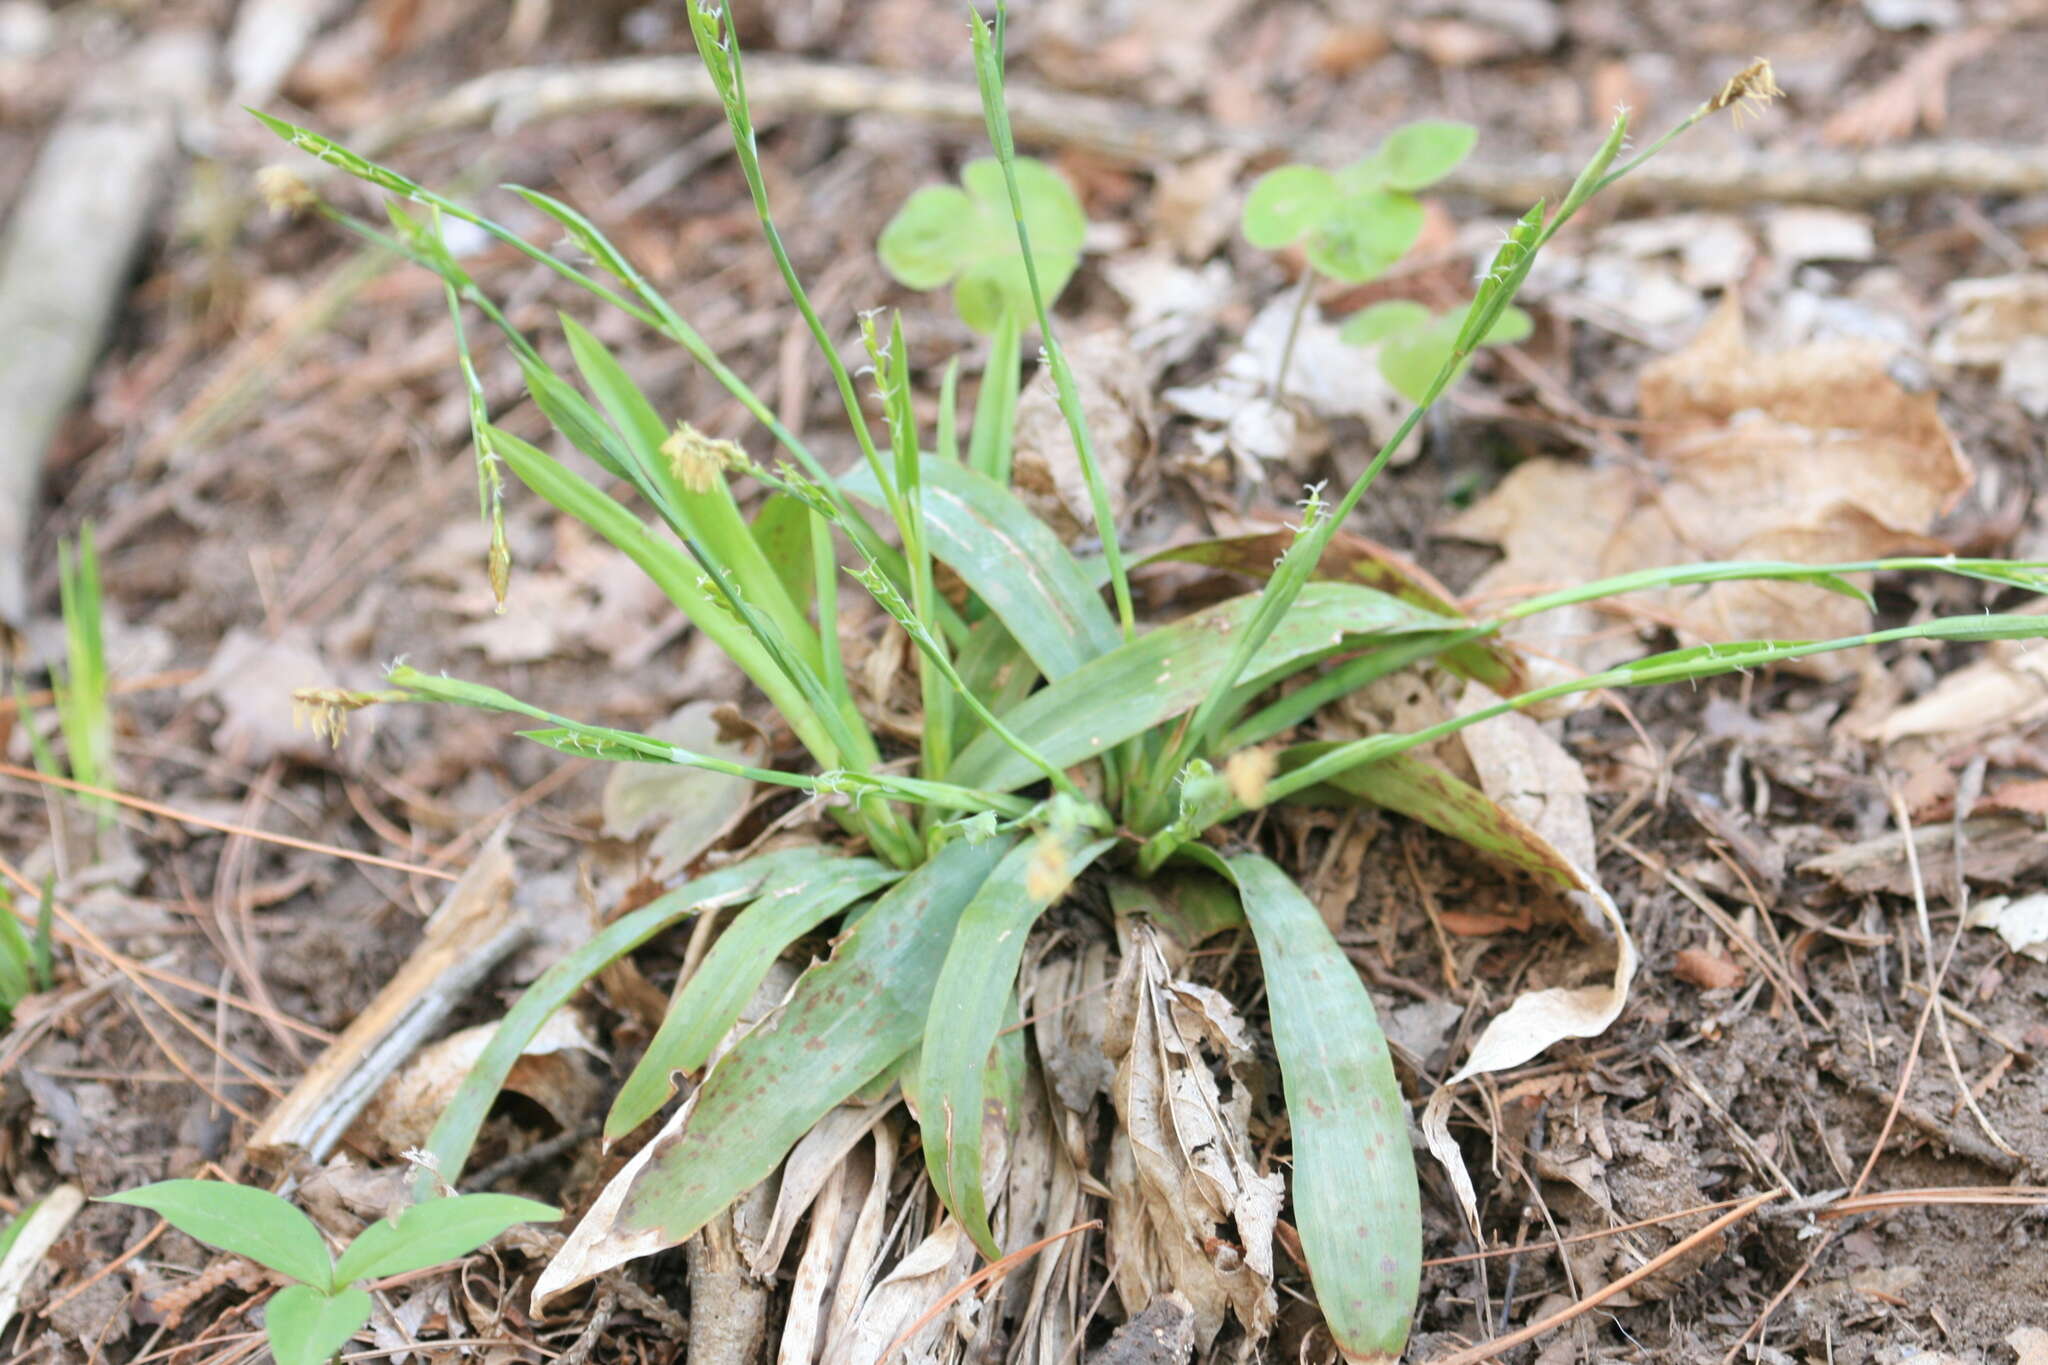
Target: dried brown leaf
x=1191, y=1213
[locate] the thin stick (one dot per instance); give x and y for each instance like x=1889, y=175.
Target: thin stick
x=203, y=822
x=1491, y=1349
x=1128, y=131
x=1655, y=1221
x=177, y=677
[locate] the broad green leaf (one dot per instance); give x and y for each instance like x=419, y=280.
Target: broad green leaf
x=1286, y=202
x=711, y=1003
x=1013, y=561
x=1364, y=234
x=1351, y=558
x=924, y=245
x=1052, y=215
x=1189, y=904
x=782, y=528
x=1424, y=152
x=1166, y=672
x=846, y=1021
x=968, y=237
x=307, y=1327
x=995, y=669
x=434, y=1232
x=241, y=1219
x=976, y=988
x=1422, y=791
x=455, y=1133
x=991, y=444
x=1370, y=326
x=1412, y=360
x=1352, y=1177
x=1511, y=326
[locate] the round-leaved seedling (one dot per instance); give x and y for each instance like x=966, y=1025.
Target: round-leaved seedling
x=1415, y=344
x=1355, y=222
x=966, y=236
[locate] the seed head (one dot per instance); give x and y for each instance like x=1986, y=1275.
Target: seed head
x=325, y=710
x=1751, y=90
x=285, y=191
x=1248, y=771
x=698, y=461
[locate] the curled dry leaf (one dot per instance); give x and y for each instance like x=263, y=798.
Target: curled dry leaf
x=405, y=1108
x=1327, y=380
x=1532, y=1023
x=1190, y=1210
x=901, y=1297
x=1812, y=455
x=2022, y=921
x=687, y=808
x=1116, y=396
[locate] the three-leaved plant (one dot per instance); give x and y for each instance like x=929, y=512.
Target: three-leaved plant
x=311, y=1319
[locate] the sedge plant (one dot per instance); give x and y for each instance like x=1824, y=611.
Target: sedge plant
x=1061, y=738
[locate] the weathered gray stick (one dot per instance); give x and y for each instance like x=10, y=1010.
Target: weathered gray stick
x=81, y=217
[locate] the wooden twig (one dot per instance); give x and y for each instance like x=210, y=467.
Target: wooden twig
x=1127, y=131
x=83, y=213
x=470, y=934
x=1488, y=1350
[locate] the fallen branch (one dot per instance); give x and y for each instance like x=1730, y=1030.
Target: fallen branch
x=79, y=221
x=469, y=935
x=1126, y=131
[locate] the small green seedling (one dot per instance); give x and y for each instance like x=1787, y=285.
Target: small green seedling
x=81, y=682
x=26, y=966
x=1414, y=343
x=969, y=238
x=311, y=1320
x=966, y=237
x=1355, y=222
x=1359, y=220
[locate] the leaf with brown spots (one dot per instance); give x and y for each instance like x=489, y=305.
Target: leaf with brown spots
x=1355, y=1200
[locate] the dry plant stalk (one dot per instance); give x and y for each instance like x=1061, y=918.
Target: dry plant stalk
x=469, y=935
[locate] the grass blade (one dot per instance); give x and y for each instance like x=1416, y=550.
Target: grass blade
x=1678, y=665
x=1165, y=672
x=677, y=574
x=709, y=518
x=847, y=1020
x=1350, y=558
x=1422, y=791
x=991, y=443
x=1014, y=563
x=988, y=70
x=976, y=989
x=1353, y=1179
x=455, y=1132
x=711, y=1003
